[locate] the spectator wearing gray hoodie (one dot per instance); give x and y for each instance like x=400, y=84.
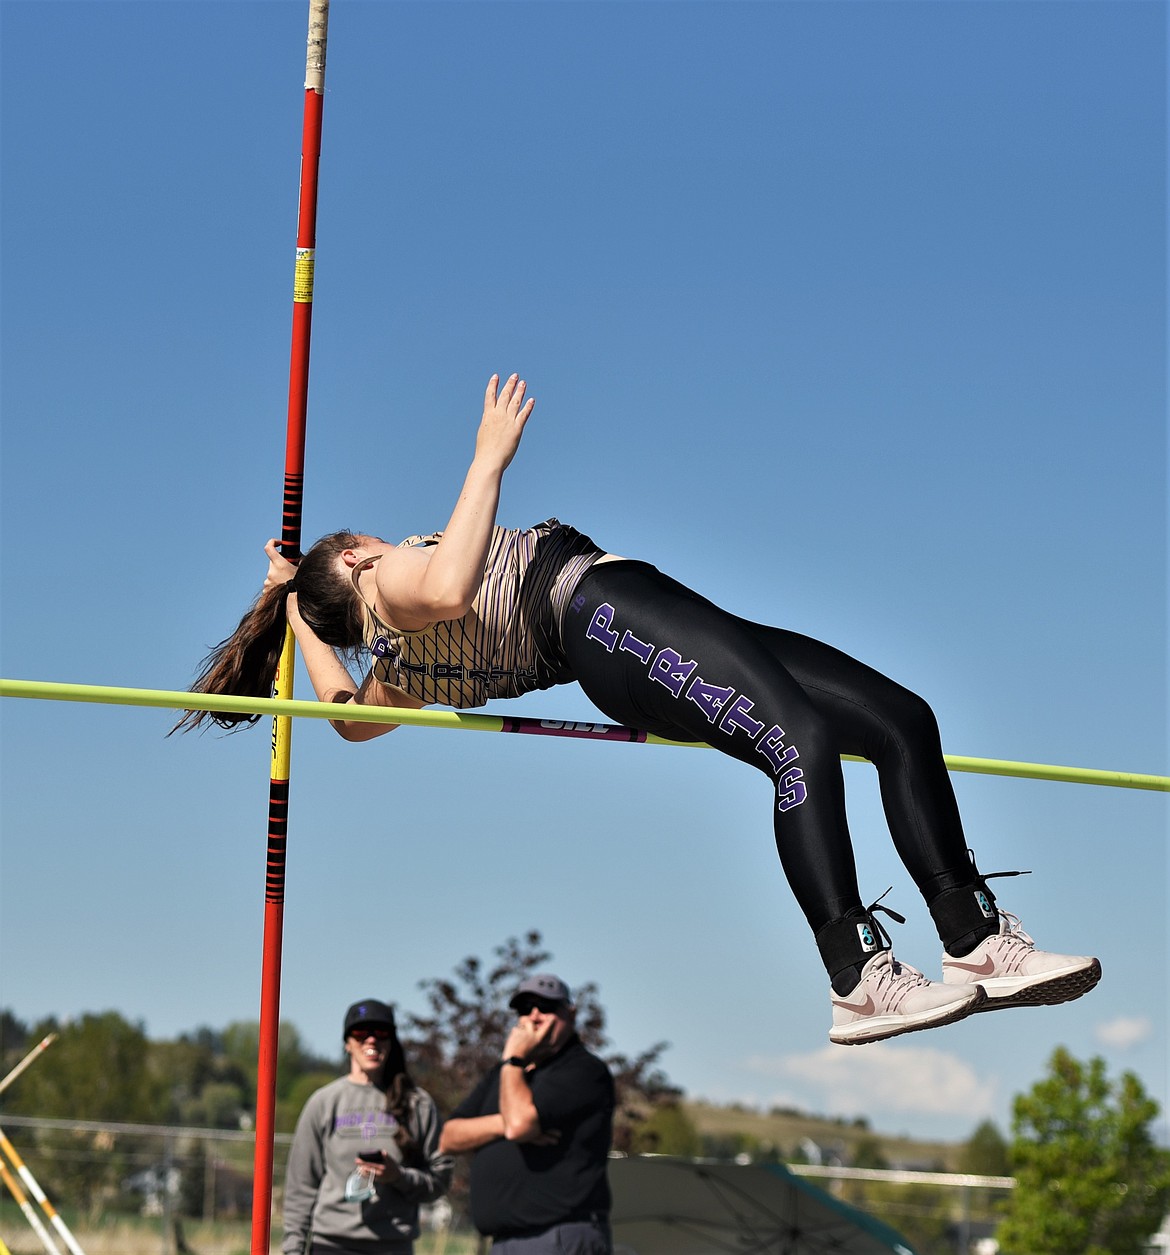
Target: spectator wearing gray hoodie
x=366, y=1150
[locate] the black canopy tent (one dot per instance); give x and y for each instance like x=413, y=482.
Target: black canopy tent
x=666, y=1206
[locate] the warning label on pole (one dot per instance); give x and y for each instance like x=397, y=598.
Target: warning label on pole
x=303, y=280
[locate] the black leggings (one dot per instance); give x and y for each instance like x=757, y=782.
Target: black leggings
x=654, y=655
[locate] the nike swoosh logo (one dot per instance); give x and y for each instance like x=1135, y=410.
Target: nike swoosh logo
x=868, y=1007
x=978, y=969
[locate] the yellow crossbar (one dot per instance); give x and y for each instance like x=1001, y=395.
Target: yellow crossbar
x=179, y=700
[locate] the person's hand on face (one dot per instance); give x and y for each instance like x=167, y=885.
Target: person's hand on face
x=541, y=1028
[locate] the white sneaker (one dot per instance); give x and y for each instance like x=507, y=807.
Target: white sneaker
x=1015, y=974
x=893, y=998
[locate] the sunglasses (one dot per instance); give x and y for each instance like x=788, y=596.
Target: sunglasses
x=544, y=1005
x=379, y=1032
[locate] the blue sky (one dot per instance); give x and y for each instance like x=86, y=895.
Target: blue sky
x=850, y=315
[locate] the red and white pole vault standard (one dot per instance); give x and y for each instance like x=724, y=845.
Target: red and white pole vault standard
x=290, y=542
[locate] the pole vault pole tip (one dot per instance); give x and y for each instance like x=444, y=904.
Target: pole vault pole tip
x=315, y=53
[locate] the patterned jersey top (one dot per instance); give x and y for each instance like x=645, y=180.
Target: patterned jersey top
x=509, y=642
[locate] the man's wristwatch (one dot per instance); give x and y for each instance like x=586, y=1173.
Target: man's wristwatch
x=516, y=1061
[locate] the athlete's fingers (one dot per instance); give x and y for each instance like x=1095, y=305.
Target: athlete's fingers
x=507, y=390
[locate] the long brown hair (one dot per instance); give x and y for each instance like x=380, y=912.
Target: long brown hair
x=244, y=665
x=398, y=1088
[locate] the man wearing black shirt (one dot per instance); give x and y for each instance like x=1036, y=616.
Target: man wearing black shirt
x=540, y=1126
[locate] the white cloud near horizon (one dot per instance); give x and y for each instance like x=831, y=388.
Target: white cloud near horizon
x=1124, y=1031
x=884, y=1078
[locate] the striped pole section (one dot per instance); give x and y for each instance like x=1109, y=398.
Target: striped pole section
x=30, y=1212
x=9, y=1152
x=43, y=1044
x=290, y=540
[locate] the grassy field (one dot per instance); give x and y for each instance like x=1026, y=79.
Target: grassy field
x=787, y=1131
x=133, y=1236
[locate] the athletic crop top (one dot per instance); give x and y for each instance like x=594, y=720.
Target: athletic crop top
x=509, y=642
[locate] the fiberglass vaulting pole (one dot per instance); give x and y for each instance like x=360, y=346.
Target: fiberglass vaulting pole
x=290, y=543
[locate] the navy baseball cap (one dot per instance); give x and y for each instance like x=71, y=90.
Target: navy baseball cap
x=544, y=985
x=369, y=1011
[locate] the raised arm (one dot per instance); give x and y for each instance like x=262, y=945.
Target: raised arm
x=415, y=588
x=410, y=588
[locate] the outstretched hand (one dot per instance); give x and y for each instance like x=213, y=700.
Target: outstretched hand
x=280, y=569
x=504, y=414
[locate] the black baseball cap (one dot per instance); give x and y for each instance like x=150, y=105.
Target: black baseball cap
x=368, y=1011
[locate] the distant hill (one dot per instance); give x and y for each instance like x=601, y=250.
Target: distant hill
x=787, y=1130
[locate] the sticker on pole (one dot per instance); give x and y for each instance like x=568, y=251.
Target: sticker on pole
x=303, y=279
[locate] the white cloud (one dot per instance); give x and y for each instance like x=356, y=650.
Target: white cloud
x=1125, y=1031
x=883, y=1078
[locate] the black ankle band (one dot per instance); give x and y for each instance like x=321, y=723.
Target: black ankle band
x=964, y=917
x=849, y=942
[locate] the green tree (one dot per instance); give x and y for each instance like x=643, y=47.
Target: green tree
x=218, y=1106
x=289, y=1109
x=1089, y=1178
x=868, y=1152
x=985, y=1153
x=98, y=1069
x=14, y=1040
x=240, y=1047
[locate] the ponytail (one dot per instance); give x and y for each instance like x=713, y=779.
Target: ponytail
x=245, y=664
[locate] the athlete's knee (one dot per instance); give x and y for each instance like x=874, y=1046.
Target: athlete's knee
x=800, y=760
x=907, y=723
x=917, y=715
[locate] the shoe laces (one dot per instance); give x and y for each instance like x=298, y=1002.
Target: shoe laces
x=876, y=906
x=893, y=978
x=1015, y=935
x=986, y=876
x=900, y=973
x=895, y=972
